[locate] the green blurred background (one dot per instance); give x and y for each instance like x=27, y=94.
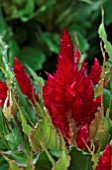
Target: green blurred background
x=33, y=28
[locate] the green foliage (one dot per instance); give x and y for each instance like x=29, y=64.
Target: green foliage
x=107, y=97
x=103, y=36
x=63, y=162
x=107, y=93
x=48, y=136
x=80, y=160
x=28, y=26
x=28, y=139
x=33, y=57
x=3, y=164
x=99, y=130
x=43, y=166
x=22, y=131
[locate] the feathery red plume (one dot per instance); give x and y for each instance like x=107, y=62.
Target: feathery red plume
x=69, y=95
x=3, y=93
x=95, y=72
x=83, y=138
x=105, y=160
x=23, y=80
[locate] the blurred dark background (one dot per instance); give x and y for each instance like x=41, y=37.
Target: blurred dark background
x=33, y=28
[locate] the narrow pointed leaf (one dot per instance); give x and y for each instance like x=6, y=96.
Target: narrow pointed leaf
x=12, y=164
x=103, y=36
x=63, y=162
x=47, y=136
x=26, y=128
x=40, y=165
x=80, y=160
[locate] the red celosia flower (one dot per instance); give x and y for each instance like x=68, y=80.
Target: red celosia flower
x=95, y=72
x=3, y=93
x=83, y=137
x=69, y=95
x=105, y=160
x=23, y=80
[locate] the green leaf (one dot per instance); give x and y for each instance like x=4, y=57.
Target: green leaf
x=63, y=162
x=80, y=160
x=47, y=136
x=36, y=78
x=14, y=51
x=107, y=124
x=4, y=49
x=12, y=164
x=10, y=137
x=3, y=163
x=25, y=13
x=103, y=36
x=33, y=57
x=106, y=99
x=4, y=126
x=102, y=135
x=43, y=162
x=95, y=125
x=3, y=146
x=25, y=126
x=107, y=5
x=18, y=156
x=49, y=39
x=81, y=42
x=6, y=70
x=99, y=131
x=22, y=156
x=3, y=26
x=14, y=138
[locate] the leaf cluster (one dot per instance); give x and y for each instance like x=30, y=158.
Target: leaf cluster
x=28, y=26
x=28, y=139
